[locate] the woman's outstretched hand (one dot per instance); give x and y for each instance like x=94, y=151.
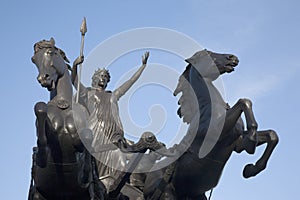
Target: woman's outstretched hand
x=145, y=58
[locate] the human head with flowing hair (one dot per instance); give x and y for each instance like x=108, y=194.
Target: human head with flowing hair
x=100, y=78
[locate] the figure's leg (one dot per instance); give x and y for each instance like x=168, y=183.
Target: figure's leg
x=234, y=113
x=268, y=136
x=40, y=110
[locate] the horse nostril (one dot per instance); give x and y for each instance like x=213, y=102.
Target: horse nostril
x=39, y=78
x=43, y=77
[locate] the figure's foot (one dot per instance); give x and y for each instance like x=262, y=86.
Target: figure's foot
x=250, y=141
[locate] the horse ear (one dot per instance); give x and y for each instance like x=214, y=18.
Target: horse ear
x=52, y=41
x=195, y=58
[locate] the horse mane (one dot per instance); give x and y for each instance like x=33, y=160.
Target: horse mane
x=187, y=101
x=45, y=44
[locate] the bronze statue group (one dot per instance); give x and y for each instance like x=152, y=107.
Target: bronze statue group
x=86, y=156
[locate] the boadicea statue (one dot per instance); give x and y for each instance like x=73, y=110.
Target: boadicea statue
x=64, y=168
x=215, y=131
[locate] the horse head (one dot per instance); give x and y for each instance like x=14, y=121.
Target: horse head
x=211, y=65
x=50, y=62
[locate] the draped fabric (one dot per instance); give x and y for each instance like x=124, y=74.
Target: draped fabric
x=106, y=125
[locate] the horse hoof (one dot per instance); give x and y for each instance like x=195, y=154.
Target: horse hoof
x=249, y=171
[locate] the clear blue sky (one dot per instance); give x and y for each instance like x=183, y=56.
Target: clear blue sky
x=263, y=34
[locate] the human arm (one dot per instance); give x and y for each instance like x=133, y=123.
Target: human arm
x=74, y=74
x=79, y=60
x=119, y=92
x=74, y=78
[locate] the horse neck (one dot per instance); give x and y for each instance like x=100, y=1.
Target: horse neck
x=200, y=87
x=211, y=107
x=63, y=88
x=205, y=91
x=215, y=95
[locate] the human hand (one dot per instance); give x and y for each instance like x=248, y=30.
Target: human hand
x=79, y=60
x=145, y=58
x=119, y=141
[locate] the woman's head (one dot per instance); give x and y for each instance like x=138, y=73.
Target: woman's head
x=100, y=78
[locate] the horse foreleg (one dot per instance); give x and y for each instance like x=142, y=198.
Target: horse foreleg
x=233, y=114
x=270, y=137
x=40, y=110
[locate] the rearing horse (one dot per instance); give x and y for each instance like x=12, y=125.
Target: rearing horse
x=62, y=167
x=215, y=131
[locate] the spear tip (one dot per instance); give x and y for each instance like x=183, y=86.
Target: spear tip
x=83, y=28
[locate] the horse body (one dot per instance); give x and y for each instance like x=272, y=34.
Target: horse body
x=193, y=176
x=215, y=131
x=62, y=168
x=59, y=173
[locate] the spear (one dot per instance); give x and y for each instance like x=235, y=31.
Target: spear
x=83, y=30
